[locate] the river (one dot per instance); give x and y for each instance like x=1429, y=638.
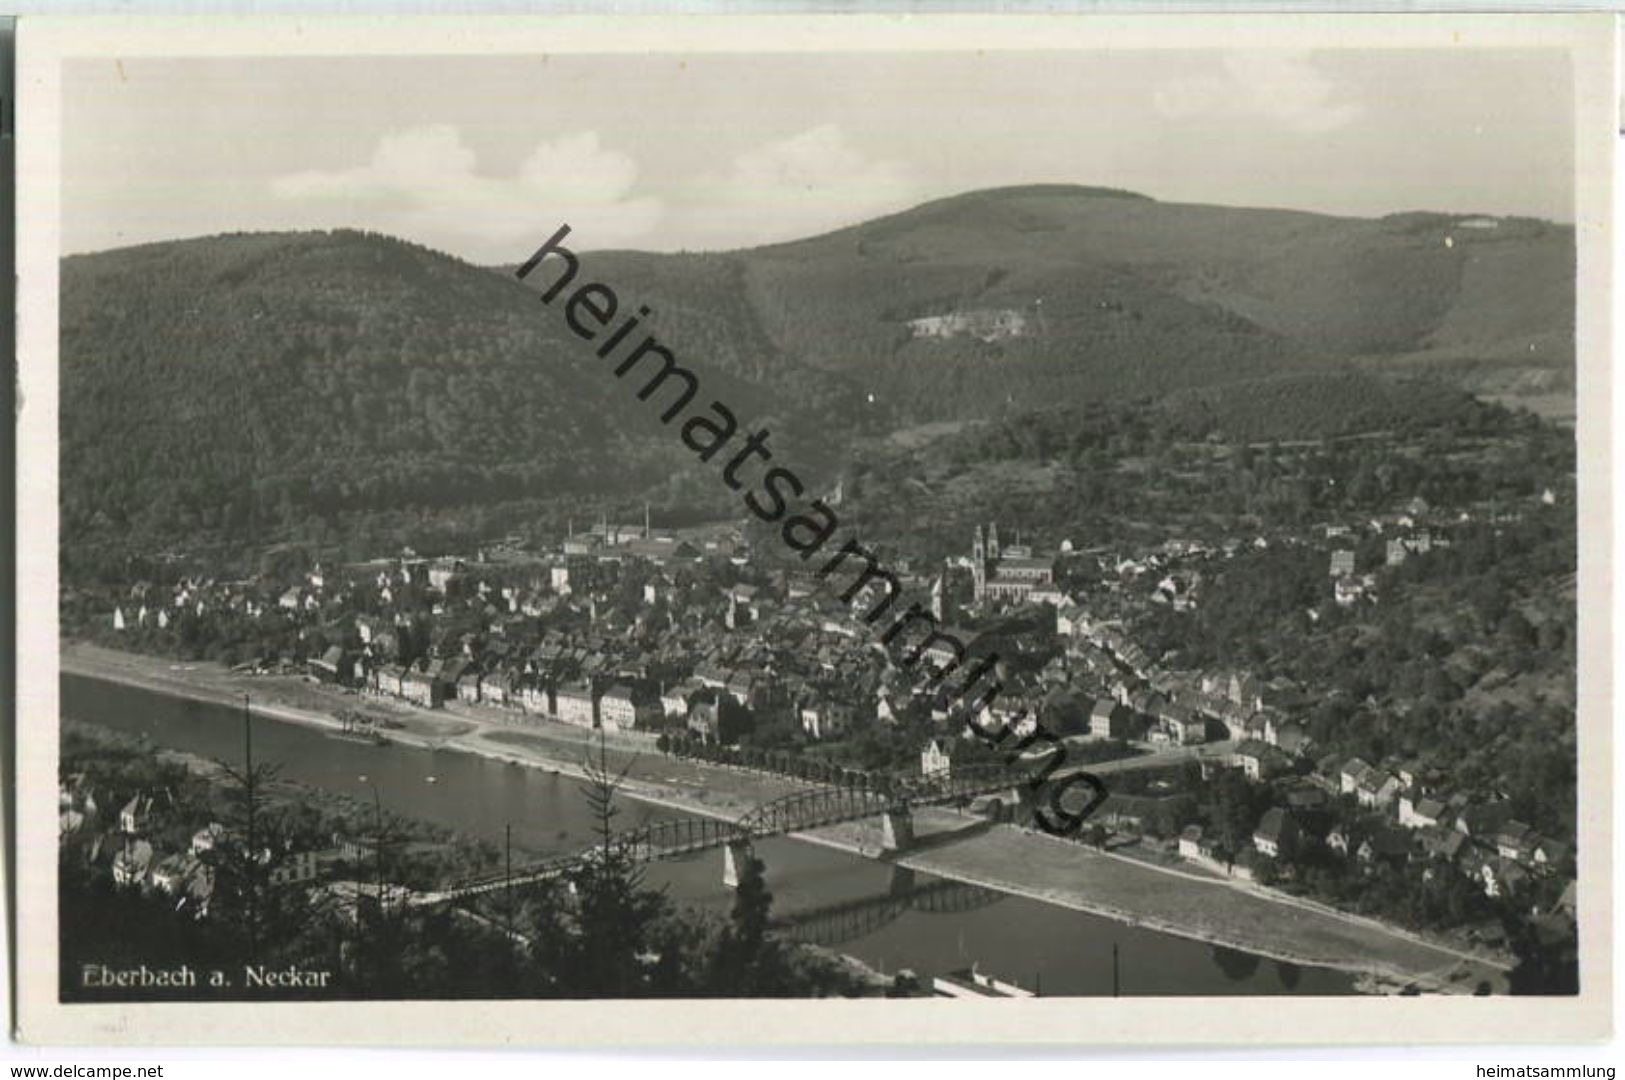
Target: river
x=888, y=917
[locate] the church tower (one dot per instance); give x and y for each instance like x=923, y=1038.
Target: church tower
x=993, y=542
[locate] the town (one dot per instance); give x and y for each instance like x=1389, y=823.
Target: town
x=698, y=642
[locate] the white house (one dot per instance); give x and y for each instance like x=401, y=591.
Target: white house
x=935, y=760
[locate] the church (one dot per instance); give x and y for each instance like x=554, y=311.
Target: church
x=1008, y=574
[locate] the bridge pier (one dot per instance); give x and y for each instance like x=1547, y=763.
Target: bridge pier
x=735, y=854
x=897, y=830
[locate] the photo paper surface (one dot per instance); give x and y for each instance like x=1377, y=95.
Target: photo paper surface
x=810, y=530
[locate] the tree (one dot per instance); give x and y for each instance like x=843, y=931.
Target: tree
x=615, y=913
x=745, y=964
x=278, y=922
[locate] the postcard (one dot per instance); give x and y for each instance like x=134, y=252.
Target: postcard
x=798, y=530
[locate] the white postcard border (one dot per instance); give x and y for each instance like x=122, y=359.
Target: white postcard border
x=44, y=43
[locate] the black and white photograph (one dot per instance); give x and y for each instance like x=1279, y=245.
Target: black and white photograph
x=847, y=510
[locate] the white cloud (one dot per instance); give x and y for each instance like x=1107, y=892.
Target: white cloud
x=798, y=186
x=423, y=184
x=1281, y=86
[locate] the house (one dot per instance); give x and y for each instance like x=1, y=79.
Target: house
x=171, y=874
x=1277, y=833
x=623, y=708
x=1351, y=775
x=1503, y=877
x=616, y=709
x=705, y=718
x=1342, y=564
x=1342, y=839
x=1483, y=819
x=1442, y=844
x=1184, y=727
x=468, y=689
x=1247, y=864
x=132, y=863
x=1259, y=761
x=950, y=647
x=1111, y=720
x=1386, y=845
x=1191, y=845
x=295, y=868
x=1289, y=737
x=1420, y=811
x=674, y=699
x=390, y=679
x=935, y=760
x=450, y=674
x=824, y=720
x=207, y=837
x=711, y=676
x=1549, y=855
x=658, y=589
x=497, y=688
x=77, y=798
x=573, y=704
x=445, y=575
x=1348, y=591
x=330, y=666
x=536, y=697
x=1071, y=621
x=423, y=689
x=1516, y=841
x=1377, y=788
x=135, y=815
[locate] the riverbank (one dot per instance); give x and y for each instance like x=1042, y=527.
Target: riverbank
x=684, y=786
x=1027, y=864
x=1211, y=910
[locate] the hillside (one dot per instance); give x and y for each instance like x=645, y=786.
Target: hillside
x=1119, y=295
x=1125, y=295
x=249, y=383
x=262, y=385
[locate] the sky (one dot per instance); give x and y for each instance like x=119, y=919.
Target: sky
x=695, y=151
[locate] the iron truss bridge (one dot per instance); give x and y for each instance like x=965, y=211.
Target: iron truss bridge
x=795, y=812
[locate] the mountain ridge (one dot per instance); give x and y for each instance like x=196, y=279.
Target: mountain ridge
x=247, y=384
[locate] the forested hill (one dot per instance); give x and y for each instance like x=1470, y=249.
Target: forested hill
x=1117, y=294
x=248, y=385
x=1282, y=410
